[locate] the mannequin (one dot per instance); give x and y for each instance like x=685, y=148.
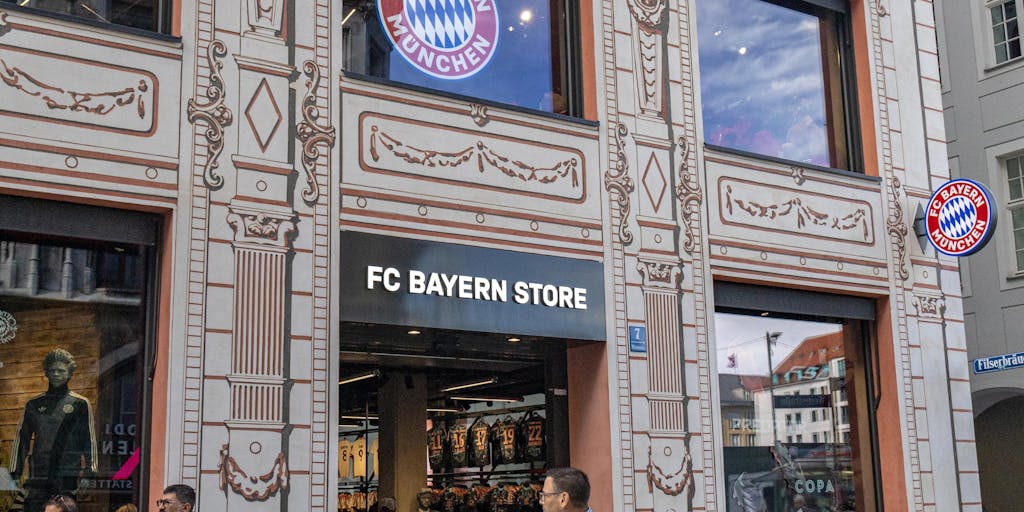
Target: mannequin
x=55, y=439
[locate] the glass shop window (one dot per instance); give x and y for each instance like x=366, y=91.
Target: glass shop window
x=515, y=53
x=72, y=372
x=149, y=15
x=775, y=80
x=788, y=365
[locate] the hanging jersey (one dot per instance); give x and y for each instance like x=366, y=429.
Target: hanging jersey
x=344, y=464
x=436, y=447
x=479, y=443
x=507, y=435
x=495, y=435
x=534, y=445
x=374, y=448
x=359, y=457
x=458, y=442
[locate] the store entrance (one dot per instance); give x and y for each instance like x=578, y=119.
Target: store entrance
x=450, y=421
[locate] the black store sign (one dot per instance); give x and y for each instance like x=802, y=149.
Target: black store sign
x=401, y=281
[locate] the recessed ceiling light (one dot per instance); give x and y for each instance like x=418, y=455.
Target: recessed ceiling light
x=413, y=332
x=514, y=339
x=765, y=313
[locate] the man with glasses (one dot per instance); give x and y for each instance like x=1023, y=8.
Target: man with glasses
x=565, y=490
x=177, y=498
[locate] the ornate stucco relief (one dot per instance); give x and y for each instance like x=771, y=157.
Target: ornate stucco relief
x=689, y=195
x=37, y=84
x=311, y=133
x=618, y=182
x=929, y=306
x=897, y=228
x=264, y=16
x=649, y=16
x=252, y=487
x=799, y=212
x=213, y=113
x=404, y=147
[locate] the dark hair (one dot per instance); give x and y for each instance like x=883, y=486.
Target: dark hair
x=65, y=501
x=184, y=494
x=574, y=482
x=59, y=355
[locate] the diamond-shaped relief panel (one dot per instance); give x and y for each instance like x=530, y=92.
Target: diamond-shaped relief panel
x=263, y=115
x=654, y=182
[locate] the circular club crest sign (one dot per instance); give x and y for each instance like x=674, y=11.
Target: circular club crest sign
x=961, y=217
x=447, y=39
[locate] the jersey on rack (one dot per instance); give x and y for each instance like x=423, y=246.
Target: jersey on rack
x=437, y=446
x=458, y=442
x=479, y=443
x=507, y=440
x=532, y=447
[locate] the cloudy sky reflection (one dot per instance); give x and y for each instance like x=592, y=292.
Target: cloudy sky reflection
x=762, y=85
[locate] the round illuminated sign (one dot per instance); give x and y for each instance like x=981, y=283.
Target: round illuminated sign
x=961, y=217
x=447, y=39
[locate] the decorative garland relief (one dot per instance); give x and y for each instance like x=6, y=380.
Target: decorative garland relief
x=252, y=488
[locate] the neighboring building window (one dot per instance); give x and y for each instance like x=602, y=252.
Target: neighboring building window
x=1015, y=186
x=141, y=14
x=519, y=57
x=814, y=416
x=775, y=80
x=1005, y=30
x=734, y=440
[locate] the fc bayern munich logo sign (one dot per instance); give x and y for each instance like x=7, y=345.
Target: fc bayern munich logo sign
x=961, y=217
x=448, y=39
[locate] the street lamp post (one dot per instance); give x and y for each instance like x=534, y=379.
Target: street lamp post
x=769, y=340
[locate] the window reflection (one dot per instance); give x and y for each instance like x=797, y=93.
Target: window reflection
x=526, y=69
x=770, y=81
x=785, y=418
x=141, y=14
x=72, y=327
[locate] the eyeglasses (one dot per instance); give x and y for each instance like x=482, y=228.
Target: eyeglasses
x=165, y=503
x=544, y=495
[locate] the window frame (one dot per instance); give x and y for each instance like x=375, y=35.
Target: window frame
x=73, y=224
x=846, y=99
x=162, y=32
x=986, y=22
x=1012, y=205
x=571, y=61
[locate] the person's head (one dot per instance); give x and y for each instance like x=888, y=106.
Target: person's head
x=565, y=489
x=59, y=365
x=799, y=501
x=387, y=505
x=127, y=508
x=425, y=498
x=61, y=503
x=177, y=498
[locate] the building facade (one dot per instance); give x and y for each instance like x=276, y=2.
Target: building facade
x=981, y=56
x=308, y=255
